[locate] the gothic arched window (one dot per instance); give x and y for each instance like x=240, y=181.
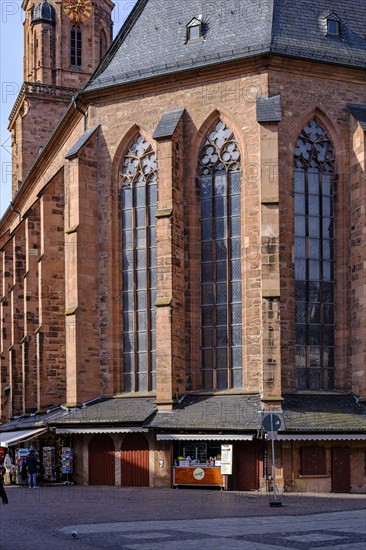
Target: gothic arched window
x=221, y=260
x=314, y=258
x=76, y=49
x=103, y=44
x=139, y=203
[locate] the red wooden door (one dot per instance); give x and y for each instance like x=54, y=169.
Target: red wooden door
x=341, y=470
x=135, y=461
x=101, y=460
x=245, y=467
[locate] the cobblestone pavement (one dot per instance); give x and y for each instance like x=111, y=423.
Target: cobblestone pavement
x=158, y=519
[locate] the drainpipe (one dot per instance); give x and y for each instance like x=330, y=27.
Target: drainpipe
x=80, y=111
x=15, y=210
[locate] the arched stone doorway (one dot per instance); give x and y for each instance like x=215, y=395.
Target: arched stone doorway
x=101, y=460
x=135, y=461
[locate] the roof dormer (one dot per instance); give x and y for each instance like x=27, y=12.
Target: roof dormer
x=333, y=24
x=194, y=30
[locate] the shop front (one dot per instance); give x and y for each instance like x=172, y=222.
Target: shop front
x=111, y=446
x=54, y=453
x=213, y=460
x=323, y=463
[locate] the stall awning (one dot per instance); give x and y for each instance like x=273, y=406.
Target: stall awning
x=12, y=438
x=321, y=437
x=100, y=430
x=204, y=437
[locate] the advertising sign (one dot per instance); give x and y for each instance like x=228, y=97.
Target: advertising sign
x=227, y=459
x=198, y=473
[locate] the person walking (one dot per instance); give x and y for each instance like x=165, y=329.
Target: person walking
x=32, y=464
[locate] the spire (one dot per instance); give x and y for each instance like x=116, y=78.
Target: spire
x=44, y=13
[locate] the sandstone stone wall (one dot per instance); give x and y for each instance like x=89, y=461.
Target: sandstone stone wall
x=75, y=206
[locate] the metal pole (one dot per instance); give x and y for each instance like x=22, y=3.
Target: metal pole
x=274, y=502
x=273, y=461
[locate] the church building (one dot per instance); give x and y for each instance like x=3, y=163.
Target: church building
x=184, y=256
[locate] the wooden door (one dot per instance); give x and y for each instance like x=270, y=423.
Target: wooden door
x=135, y=461
x=101, y=460
x=245, y=467
x=341, y=470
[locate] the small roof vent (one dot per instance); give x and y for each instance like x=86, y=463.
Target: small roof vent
x=44, y=13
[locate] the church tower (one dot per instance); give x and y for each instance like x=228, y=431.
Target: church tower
x=64, y=41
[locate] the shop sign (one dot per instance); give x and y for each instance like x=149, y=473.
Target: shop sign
x=198, y=474
x=22, y=453
x=227, y=460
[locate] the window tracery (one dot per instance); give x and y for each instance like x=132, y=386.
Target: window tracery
x=220, y=166
x=139, y=203
x=314, y=161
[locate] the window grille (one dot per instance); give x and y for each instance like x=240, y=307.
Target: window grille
x=314, y=258
x=220, y=222
x=76, y=46
x=139, y=204
x=313, y=461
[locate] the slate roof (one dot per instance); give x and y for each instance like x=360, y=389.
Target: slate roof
x=323, y=413
x=359, y=112
x=168, y=124
x=81, y=142
x=229, y=412
x=153, y=40
x=44, y=13
x=269, y=109
x=37, y=420
x=111, y=411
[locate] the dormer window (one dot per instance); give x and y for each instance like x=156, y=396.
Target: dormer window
x=333, y=25
x=194, y=30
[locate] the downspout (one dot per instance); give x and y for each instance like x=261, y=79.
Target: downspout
x=80, y=111
x=15, y=210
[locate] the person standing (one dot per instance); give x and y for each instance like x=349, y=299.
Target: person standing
x=32, y=464
x=3, y=494
x=9, y=469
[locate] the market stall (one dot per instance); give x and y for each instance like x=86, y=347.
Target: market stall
x=202, y=459
x=198, y=474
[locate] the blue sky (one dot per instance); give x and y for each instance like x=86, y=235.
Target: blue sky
x=11, y=76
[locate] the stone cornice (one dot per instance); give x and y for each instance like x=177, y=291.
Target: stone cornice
x=35, y=89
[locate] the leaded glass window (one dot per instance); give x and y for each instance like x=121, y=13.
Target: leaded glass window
x=76, y=45
x=314, y=258
x=221, y=260
x=139, y=203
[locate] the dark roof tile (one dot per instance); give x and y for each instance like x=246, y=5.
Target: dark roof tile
x=229, y=412
x=323, y=413
x=168, y=124
x=73, y=152
x=359, y=112
x=110, y=411
x=35, y=420
x=269, y=109
x=153, y=39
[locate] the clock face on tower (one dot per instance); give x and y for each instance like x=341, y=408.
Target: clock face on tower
x=78, y=10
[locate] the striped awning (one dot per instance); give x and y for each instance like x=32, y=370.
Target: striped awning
x=112, y=430
x=12, y=438
x=321, y=437
x=204, y=437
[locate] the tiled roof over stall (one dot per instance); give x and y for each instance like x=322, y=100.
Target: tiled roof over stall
x=323, y=413
x=110, y=411
x=227, y=412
